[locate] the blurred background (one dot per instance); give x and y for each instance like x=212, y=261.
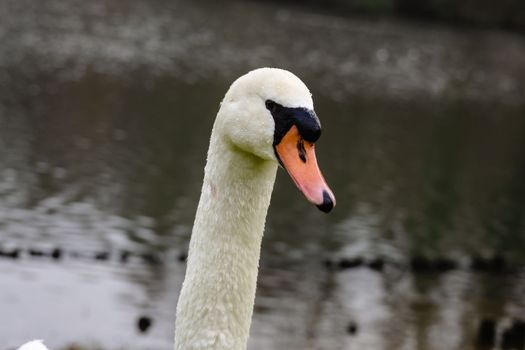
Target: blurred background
x=106, y=108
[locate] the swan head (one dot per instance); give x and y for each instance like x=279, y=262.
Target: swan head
x=269, y=113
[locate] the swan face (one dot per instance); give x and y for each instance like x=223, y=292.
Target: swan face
x=269, y=113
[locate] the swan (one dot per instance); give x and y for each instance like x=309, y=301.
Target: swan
x=266, y=118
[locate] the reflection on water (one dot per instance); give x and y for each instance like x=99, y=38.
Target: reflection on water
x=105, y=114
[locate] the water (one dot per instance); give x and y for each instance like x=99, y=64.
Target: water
x=105, y=115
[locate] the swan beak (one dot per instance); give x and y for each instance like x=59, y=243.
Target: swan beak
x=298, y=158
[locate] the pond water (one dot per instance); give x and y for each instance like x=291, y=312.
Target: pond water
x=105, y=114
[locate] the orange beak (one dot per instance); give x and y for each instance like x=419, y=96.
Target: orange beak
x=298, y=158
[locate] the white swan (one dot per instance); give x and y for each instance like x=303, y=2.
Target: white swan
x=265, y=118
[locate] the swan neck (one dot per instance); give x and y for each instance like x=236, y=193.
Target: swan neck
x=216, y=302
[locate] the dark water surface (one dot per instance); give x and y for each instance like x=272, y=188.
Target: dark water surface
x=105, y=114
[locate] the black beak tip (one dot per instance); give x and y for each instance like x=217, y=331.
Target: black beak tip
x=327, y=204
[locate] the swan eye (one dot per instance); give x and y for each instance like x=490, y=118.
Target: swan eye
x=271, y=106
